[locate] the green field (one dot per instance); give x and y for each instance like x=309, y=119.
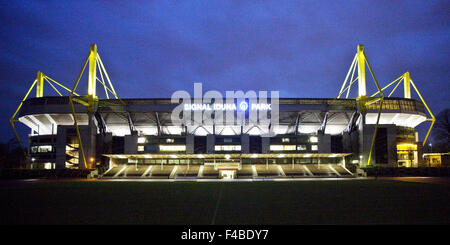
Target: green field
x=190, y=203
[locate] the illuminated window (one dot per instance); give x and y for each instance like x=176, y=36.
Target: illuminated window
x=314, y=148
x=285, y=140
x=282, y=147
x=140, y=148
x=142, y=140
x=170, y=140
x=41, y=149
x=301, y=148
x=289, y=148
x=172, y=148
x=227, y=147
x=313, y=139
x=406, y=147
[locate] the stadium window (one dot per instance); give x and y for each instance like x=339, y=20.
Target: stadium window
x=289, y=147
x=314, y=148
x=140, y=148
x=227, y=147
x=170, y=140
x=301, y=148
x=276, y=147
x=172, y=147
x=282, y=147
x=41, y=149
x=142, y=140
x=285, y=140
x=313, y=139
x=173, y=161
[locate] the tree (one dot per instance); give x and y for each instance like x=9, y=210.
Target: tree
x=440, y=134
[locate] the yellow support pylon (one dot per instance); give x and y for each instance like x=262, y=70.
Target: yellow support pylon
x=360, y=60
x=95, y=62
x=407, y=85
x=39, y=83
x=361, y=71
x=405, y=78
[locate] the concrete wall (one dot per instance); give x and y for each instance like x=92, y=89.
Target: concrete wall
x=189, y=144
x=210, y=142
x=365, y=143
x=60, y=148
x=245, y=143
x=130, y=142
x=265, y=145
x=392, y=144
x=324, y=143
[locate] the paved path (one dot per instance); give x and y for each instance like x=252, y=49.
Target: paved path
x=430, y=180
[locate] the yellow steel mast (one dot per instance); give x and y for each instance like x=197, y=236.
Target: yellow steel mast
x=95, y=62
x=39, y=83
x=405, y=78
x=359, y=61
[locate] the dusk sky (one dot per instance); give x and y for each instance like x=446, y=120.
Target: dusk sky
x=151, y=49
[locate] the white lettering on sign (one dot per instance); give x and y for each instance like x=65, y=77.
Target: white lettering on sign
x=224, y=107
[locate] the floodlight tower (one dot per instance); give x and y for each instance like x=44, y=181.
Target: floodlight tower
x=361, y=71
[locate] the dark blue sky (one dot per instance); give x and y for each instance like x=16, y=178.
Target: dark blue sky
x=151, y=49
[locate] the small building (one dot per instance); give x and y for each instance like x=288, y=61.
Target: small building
x=437, y=159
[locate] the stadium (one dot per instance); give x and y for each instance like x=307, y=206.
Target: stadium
x=137, y=138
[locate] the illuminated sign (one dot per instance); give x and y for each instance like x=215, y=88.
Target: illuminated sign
x=243, y=106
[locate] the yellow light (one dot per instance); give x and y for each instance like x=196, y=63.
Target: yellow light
x=92, y=159
x=280, y=156
x=200, y=156
x=406, y=147
x=172, y=147
x=282, y=147
x=173, y=156
x=308, y=155
x=227, y=156
x=147, y=156
x=254, y=156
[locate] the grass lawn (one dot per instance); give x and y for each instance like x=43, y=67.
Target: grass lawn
x=190, y=203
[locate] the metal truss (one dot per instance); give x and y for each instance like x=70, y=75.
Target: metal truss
x=95, y=62
x=359, y=62
x=39, y=84
x=407, y=81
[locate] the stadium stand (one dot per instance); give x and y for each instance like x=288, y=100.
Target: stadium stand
x=321, y=170
x=246, y=171
x=134, y=171
x=210, y=172
x=270, y=170
x=112, y=172
x=294, y=170
x=161, y=171
x=187, y=171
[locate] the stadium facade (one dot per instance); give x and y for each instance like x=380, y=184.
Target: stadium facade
x=138, y=138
